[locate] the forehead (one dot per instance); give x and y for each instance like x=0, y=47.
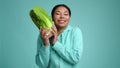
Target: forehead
x=62, y=9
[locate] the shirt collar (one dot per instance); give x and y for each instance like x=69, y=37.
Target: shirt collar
x=67, y=29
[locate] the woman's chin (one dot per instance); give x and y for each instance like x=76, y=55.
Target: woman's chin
x=62, y=26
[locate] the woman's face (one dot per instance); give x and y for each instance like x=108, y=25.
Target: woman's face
x=61, y=17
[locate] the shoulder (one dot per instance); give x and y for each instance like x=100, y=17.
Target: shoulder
x=77, y=33
x=76, y=30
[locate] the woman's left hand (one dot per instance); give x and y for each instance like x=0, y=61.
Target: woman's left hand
x=55, y=34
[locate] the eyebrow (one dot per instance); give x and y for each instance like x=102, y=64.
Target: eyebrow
x=64, y=12
x=57, y=11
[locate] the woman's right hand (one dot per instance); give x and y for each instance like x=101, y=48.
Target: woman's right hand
x=45, y=34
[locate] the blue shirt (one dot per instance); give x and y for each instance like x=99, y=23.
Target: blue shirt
x=65, y=53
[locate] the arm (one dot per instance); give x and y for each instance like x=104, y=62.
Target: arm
x=71, y=55
x=43, y=52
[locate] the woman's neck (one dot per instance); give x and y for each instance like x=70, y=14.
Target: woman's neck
x=60, y=30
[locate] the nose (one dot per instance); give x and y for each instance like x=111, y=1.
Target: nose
x=61, y=15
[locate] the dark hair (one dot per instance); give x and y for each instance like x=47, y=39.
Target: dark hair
x=55, y=7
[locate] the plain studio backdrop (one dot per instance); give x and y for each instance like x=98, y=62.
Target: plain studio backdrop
x=99, y=21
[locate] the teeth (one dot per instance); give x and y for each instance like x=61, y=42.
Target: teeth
x=62, y=21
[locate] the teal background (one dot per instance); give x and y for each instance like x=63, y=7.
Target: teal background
x=99, y=21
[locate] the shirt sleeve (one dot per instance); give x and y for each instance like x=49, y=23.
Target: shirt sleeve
x=72, y=55
x=43, y=54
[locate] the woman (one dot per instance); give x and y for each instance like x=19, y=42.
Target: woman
x=61, y=47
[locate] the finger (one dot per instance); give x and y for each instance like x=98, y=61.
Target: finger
x=54, y=28
x=47, y=33
x=43, y=32
x=45, y=36
x=54, y=37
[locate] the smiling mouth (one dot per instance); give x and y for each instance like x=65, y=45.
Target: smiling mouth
x=61, y=21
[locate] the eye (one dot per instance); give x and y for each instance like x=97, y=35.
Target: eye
x=57, y=13
x=66, y=14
